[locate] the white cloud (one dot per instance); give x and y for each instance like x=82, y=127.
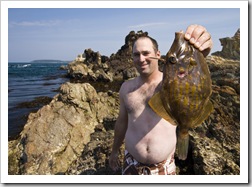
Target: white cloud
x=146, y=25
x=36, y=23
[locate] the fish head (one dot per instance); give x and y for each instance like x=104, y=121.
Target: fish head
x=181, y=60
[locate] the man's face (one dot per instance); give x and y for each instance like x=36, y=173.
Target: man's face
x=142, y=50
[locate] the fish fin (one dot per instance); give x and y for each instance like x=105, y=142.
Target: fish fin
x=156, y=104
x=207, y=111
x=182, y=146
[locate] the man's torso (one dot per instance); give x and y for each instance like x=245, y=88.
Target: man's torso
x=149, y=138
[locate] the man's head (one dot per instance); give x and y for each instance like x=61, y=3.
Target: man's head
x=143, y=48
x=154, y=42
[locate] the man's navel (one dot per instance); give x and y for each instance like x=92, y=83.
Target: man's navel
x=147, y=149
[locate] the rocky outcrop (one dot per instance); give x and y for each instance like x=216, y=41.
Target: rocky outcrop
x=93, y=68
x=230, y=47
x=73, y=134
x=55, y=136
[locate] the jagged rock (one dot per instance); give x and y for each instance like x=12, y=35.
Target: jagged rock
x=230, y=47
x=102, y=76
x=93, y=68
x=225, y=72
x=130, y=73
x=37, y=102
x=55, y=136
x=78, y=70
x=64, y=67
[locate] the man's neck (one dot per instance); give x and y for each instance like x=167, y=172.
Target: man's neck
x=151, y=78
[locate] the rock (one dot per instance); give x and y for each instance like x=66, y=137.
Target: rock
x=230, y=47
x=102, y=76
x=225, y=72
x=78, y=70
x=130, y=73
x=55, y=136
x=64, y=67
x=92, y=68
x=37, y=102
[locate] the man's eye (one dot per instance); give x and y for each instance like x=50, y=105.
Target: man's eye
x=135, y=55
x=146, y=53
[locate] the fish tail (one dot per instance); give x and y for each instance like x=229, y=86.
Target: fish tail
x=182, y=145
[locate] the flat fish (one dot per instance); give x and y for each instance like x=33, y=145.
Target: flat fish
x=184, y=98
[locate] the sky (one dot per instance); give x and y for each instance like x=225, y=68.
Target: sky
x=63, y=33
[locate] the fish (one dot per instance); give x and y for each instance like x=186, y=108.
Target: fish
x=186, y=88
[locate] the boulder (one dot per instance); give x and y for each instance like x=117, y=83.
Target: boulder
x=55, y=136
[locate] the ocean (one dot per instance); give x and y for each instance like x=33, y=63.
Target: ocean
x=28, y=85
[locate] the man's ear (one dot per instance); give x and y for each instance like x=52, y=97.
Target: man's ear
x=158, y=54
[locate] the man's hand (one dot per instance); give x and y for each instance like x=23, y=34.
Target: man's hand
x=114, y=161
x=200, y=38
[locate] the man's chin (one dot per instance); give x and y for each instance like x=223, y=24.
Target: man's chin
x=144, y=73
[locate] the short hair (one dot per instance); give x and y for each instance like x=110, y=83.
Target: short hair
x=153, y=41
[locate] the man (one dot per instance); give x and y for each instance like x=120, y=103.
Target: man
x=150, y=141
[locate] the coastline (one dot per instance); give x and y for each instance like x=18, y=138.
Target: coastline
x=30, y=87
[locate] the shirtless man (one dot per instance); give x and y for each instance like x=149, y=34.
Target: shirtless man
x=150, y=141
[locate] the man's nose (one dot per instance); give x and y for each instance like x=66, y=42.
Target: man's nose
x=142, y=58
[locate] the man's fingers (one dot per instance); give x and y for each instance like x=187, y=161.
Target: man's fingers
x=189, y=31
x=200, y=38
x=194, y=32
x=206, y=45
x=202, y=41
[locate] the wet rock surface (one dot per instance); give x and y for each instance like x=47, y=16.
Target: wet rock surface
x=36, y=102
x=73, y=133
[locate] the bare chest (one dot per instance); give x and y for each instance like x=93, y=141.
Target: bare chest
x=137, y=100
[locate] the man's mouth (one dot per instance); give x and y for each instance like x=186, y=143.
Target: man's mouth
x=143, y=65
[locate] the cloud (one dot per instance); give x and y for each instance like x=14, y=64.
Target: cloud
x=147, y=25
x=36, y=23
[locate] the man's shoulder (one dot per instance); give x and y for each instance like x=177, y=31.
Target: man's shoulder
x=131, y=81
x=128, y=85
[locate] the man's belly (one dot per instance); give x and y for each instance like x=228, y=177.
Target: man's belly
x=152, y=146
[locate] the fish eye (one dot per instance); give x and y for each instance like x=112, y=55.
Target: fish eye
x=172, y=59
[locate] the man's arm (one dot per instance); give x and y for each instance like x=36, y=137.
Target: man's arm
x=200, y=37
x=119, y=134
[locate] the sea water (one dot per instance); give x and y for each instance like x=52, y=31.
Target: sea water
x=27, y=81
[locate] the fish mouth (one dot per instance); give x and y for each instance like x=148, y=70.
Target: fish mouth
x=182, y=74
